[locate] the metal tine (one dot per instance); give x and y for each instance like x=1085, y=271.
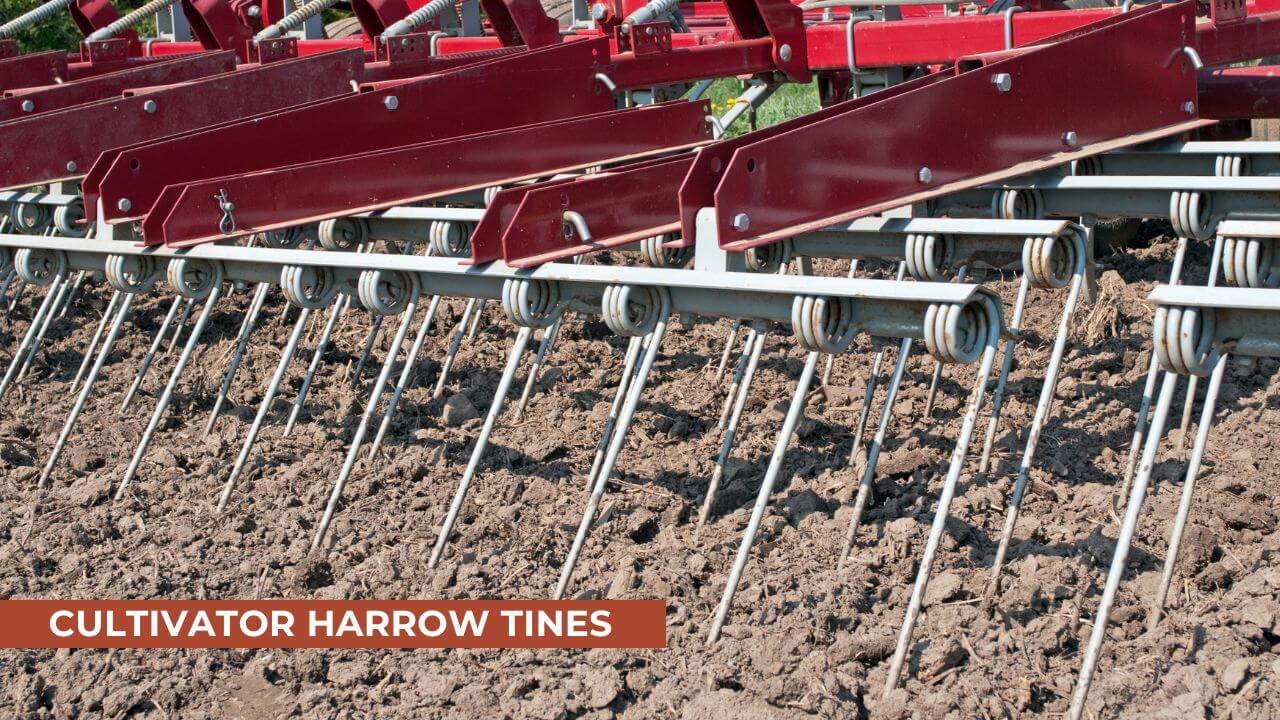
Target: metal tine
x=873, y=451
x=958, y=456
x=151, y=354
x=1037, y=424
x=762, y=497
x=514, y=358
x=246, y=328
x=475, y=321
x=8, y=280
x=1214, y=263
x=738, y=373
x=1137, y=494
x=728, y=349
x=1148, y=391
x=459, y=331
x=997, y=398
x=67, y=428
x=634, y=392
x=97, y=335
x=629, y=368
x=63, y=284
x=286, y=356
x=375, y=329
x=406, y=374
x=831, y=359
x=17, y=295
x=321, y=346
x=372, y=407
x=873, y=379
x=545, y=343
x=177, y=328
x=193, y=339
x=937, y=365
x=71, y=295
x=32, y=329
x=756, y=339
x=1188, y=491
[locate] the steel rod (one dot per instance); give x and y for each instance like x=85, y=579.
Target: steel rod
x=757, y=344
x=997, y=398
x=246, y=328
x=151, y=353
x=97, y=335
x=32, y=329
x=406, y=374
x=321, y=346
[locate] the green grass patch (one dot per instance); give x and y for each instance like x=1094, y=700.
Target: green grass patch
x=788, y=101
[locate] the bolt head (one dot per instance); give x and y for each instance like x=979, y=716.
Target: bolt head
x=1070, y=139
x=28, y=106
x=1003, y=82
x=150, y=106
x=123, y=205
x=784, y=52
x=741, y=222
x=599, y=11
x=924, y=175
x=1189, y=107
x=71, y=166
x=391, y=102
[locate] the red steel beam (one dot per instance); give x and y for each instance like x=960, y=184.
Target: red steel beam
x=1248, y=92
x=43, y=68
x=486, y=239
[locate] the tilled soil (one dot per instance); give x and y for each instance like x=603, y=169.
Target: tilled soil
x=804, y=639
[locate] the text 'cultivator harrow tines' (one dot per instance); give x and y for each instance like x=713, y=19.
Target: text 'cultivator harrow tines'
x=281, y=279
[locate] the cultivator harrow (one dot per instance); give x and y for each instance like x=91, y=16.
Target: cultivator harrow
x=439, y=155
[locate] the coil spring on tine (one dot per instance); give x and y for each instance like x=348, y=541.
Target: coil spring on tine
x=634, y=311
x=823, y=324
x=768, y=258
x=1184, y=340
x=38, y=266
x=387, y=292
x=653, y=252
x=530, y=302
x=130, y=273
x=490, y=192
x=194, y=278
x=30, y=218
x=1091, y=165
x=957, y=333
x=928, y=256
x=307, y=286
x=1050, y=261
x=450, y=238
x=67, y=218
x=283, y=239
x=342, y=234
x=1191, y=214
x=1230, y=165
x=1248, y=262
x=1019, y=204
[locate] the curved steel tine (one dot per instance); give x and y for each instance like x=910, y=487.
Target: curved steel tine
x=757, y=344
x=738, y=373
x=17, y=295
x=406, y=374
x=1192, y=382
x=177, y=328
x=97, y=335
x=869, y=394
x=831, y=359
x=246, y=328
x=873, y=451
x=634, y=347
x=997, y=398
x=1137, y=494
x=321, y=346
x=151, y=353
x=372, y=407
x=458, y=333
x=794, y=411
x=615, y=448
x=728, y=349
x=71, y=295
x=286, y=356
x=1037, y=424
x=375, y=328
x=63, y=284
x=1188, y=492
x=1148, y=392
x=514, y=358
x=25, y=345
x=193, y=339
x=475, y=321
x=67, y=428
x=545, y=344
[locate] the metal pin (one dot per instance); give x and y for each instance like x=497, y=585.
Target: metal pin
x=997, y=398
x=762, y=497
x=615, y=448
x=151, y=353
x=544, y=346
x=193, y=339
x=757, y=344
x=1137, y=494
x=321, y=346
x=482, y=442
x=369, y=410
x=32, y=329
x=246, y=327
x=459, y=331
x=264, y=406
x=873, y=451
x=97, y=335
x=70, y=424
x=405, y=375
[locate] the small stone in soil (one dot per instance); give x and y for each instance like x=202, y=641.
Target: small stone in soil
x=458, y=410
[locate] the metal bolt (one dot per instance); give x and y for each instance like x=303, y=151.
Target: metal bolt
x=123, y=205
x=150, y=106
x=599, y=11
x=1189, y=107
x=404, y=42
x=1002, y=81
x=391, y=102
x=925, y=175
x=741, y=222
x=784, y=52
x=28, y=106
x=71, y=166
x=1069, y=138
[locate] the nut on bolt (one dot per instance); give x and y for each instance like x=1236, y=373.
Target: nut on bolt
x=71, y=166
x=391, y=102
x=741, y=222
x=123, y=205
x=1069, y=138
x=1003, y=82
x=784, y=52
x=28, y=106
x=925, y=175
x=150, y=106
